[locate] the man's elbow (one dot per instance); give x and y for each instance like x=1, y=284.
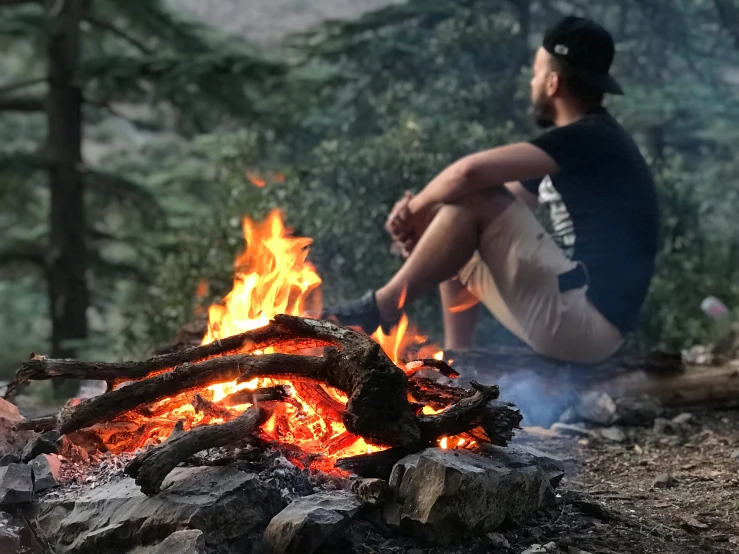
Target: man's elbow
x=468, y=174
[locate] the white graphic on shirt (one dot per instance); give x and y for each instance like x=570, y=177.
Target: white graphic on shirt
x=563, y=230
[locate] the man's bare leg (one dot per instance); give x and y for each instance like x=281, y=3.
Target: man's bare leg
x=460, y=312
x=445, y=246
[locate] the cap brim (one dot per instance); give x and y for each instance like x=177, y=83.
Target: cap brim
x=606, y=82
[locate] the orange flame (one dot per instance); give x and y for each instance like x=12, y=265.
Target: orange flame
x=255, y=179
x=272, y=277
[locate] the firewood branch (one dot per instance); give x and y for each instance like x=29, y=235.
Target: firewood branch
x=187, y=377
x=40, y=368
x=150, y=468
x=460, y=416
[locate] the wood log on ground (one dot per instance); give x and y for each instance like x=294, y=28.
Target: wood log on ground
x=696, y=385
x=150, y=468
x=662, y=376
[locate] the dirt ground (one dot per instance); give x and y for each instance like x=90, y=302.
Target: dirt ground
x=610, y=502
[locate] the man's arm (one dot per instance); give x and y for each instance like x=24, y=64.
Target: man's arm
x=517, y=189
x=484, y=170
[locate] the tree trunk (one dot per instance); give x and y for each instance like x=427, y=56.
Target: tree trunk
x=67, y=257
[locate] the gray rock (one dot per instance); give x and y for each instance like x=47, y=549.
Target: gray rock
x=682, y=419
x=664, y=481
x=614, y=434
x=442, y=494
x=10, y=534
x=641, y=410
x=308, y=521
x=539, y=549
x=664, y=426
x=569, y=416
x=227, y=505
x=16, y=484
x=371, y=491
x=46, y=469
x=498, y=541
x=597, y=407
x=9, y=459
x=12, y=438
x=571, y=429
x=41, y=444
x=188, y=541
x=735, y=454
x=10, y=411
x=519, y=456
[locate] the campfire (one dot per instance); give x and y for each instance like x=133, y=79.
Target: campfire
x=329, y=398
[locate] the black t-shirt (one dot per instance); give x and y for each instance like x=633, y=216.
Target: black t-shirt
x=603, y=210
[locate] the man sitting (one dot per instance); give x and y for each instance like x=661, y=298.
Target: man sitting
x=571, y=295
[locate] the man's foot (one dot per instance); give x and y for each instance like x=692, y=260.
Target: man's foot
x=361, y=312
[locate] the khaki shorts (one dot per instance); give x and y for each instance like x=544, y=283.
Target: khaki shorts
x=515, y=274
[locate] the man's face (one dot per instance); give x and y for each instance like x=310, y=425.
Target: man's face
x=542, y=104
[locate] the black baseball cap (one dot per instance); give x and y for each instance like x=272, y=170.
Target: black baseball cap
x=586, y=48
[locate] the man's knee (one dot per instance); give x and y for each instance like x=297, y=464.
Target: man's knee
x=485, y=206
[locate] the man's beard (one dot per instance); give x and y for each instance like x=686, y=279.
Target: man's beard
x=543, y=112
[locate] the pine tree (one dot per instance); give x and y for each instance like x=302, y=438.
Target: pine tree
x=97, y=54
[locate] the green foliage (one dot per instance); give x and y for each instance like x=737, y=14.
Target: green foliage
x=698, y=258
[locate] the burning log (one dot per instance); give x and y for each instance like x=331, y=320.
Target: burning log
x=459, y=417
x=150, y=468
x=377, y=409
x=376, y=464
x=431, y=363
x=435, y=395
x=40, y=368
x=206, y=407
x=497, y=423
x=317, y=398
x=185, y=378
x=343, y=441
x=265, y=394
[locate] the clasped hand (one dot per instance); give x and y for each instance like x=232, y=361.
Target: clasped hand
x=400, y=225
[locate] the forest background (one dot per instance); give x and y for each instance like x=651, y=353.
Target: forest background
x=133, y=131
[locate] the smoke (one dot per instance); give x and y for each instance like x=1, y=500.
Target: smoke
x=540, y=402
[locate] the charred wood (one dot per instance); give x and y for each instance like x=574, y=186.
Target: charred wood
x=150, y=468
x=41, y=368
x=187, y=377
x=377, y=464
